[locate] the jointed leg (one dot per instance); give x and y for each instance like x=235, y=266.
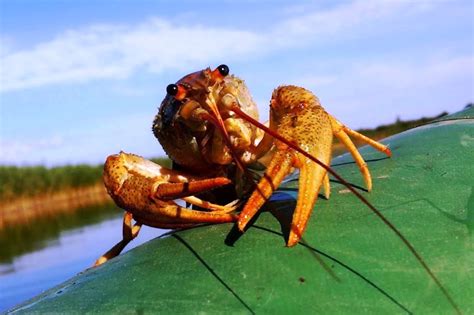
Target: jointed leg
x=211, y=206
x=186, y=190
x=376, y=145
x=169, y=191
x=129, y=232
x=339, y=132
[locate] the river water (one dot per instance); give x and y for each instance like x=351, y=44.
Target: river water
x=37, y=257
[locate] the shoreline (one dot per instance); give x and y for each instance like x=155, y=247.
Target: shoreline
x=26, y=209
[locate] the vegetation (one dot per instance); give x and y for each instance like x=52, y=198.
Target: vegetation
x=33, y=180
x=28, y=181
x=397, y=127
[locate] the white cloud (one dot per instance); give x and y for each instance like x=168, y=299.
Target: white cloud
x=346, y=20
x=395, y=74
x=117, y=51
x=401, y=75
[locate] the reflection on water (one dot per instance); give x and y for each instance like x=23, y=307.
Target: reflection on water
x=21, y=239
x=37, y=258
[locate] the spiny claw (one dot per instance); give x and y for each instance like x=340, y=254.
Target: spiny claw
x=279, y=167
x=143, y=188
x=310, y=181
x=303, y=126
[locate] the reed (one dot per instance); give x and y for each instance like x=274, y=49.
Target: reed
x=35, y=180
x=30, y=193
x=27, y=209
x=31, y=181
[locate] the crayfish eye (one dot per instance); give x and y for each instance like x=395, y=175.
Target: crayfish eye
x=223, y=70
x=172, y=89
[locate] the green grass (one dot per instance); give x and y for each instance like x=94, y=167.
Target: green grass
x=397, y=127
x=33, y=180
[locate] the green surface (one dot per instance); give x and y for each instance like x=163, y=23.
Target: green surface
x=352, y=262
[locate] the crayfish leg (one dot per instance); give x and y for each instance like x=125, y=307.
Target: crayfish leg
x=129, y=232
x=340, y=133
x=170, y=191
x=376, y=145
x=211, y=206
x=186, y=190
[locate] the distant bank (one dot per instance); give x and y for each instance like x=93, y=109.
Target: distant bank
x=28, y=193
x=26, y=209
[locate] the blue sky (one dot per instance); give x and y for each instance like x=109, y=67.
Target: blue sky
x=80, y=80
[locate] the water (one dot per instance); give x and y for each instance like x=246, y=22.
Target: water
x=36, y=258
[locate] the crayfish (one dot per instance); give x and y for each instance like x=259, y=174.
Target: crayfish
x=208, y=125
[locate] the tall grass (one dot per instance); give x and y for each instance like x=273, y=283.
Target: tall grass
x=33, y=180
x=397, y=127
